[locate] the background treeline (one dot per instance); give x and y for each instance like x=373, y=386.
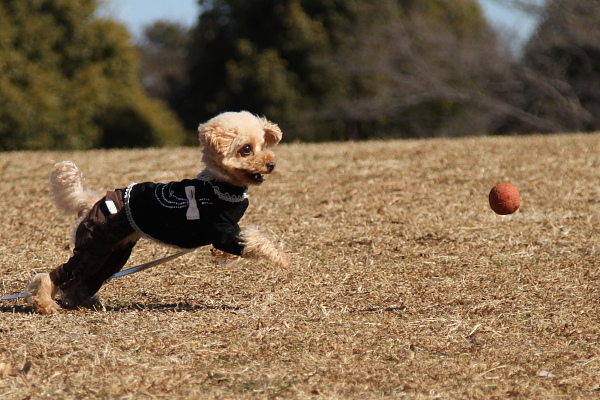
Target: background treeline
x=71, y=80
x=322, y=69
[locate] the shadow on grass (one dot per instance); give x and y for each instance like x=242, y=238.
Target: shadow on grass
x=172, y=307
x=376, y=308
x=16, y=309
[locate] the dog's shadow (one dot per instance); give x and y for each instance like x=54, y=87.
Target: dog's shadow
x=170, y=307
x=163, y=308
x=16, y=309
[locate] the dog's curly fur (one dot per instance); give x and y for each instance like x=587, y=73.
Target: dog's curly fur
x=235, y=150
x=40, y=294
x=69, y=194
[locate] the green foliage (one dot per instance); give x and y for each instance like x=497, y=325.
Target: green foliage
x=69, y=80
x=255, y=56
x=341, y=69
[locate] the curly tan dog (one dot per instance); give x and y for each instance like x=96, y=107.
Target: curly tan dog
x=187, y=214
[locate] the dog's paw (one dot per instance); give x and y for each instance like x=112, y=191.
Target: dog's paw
x=46, y=307
x=284, y=260
x=224, y=258
x=93, y=303
x=40, y=294
x=76, y=295
x=257, y=246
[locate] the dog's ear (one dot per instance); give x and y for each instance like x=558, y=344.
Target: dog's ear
x=272, y=132
x=215, y=136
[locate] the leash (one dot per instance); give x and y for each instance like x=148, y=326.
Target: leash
x=128, y=271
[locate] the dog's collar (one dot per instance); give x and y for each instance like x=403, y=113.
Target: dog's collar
x=224, y=190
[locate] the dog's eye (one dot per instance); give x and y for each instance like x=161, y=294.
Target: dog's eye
x=246, y=150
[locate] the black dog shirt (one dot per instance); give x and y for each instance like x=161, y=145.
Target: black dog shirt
x=188, y=214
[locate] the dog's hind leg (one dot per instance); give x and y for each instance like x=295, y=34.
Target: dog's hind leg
x=40, y=294
x=77, y=295
x=81, y=292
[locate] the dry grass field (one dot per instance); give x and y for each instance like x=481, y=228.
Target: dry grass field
x=404, y=282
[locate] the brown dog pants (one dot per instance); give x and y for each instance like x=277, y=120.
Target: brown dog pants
x=103, y=244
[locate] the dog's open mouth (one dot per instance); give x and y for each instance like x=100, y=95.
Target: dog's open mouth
x=258, y=178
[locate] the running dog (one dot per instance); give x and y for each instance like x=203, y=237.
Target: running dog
x=186, y=214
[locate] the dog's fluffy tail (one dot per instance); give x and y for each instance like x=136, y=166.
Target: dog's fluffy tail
x=67, y=191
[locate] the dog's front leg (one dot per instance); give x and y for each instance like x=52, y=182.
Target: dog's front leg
x=257, y=246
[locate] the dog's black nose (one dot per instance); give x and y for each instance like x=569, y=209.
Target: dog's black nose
x=271, y=166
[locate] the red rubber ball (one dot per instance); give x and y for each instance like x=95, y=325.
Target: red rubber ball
x=504, y=199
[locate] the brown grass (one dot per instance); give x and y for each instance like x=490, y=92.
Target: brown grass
x=404, y=282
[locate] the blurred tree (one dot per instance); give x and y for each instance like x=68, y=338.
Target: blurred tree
x=70, y=80
x=345, y=69
x=163, y=54
x=255, y=56
x=562, y=65
x=426, y=70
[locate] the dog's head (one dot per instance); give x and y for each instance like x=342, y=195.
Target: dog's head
x=235, y=147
